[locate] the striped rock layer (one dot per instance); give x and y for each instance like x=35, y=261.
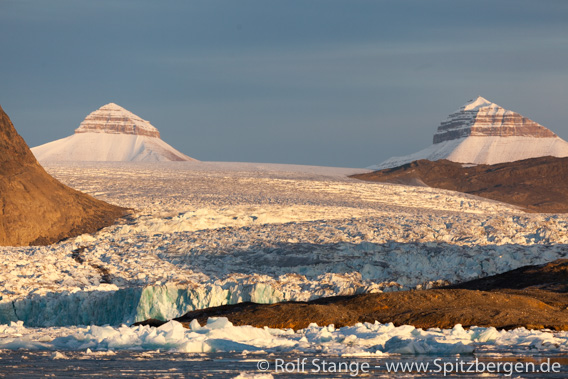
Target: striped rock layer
x=112, y=118
x=481, y=117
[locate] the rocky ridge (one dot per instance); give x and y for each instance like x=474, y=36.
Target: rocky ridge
x=536, y=184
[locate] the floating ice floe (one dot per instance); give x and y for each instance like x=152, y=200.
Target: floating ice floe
x=220, y=335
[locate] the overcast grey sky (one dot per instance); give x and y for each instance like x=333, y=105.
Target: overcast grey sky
x=323, y=82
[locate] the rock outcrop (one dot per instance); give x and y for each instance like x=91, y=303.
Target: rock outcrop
x=111, y=133
x=36, y=209
x=482, y=132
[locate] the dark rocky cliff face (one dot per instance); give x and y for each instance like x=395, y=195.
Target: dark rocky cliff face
x=36, y=209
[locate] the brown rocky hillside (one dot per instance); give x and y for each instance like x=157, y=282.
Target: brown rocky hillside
x=536, y=184
x=36, y=209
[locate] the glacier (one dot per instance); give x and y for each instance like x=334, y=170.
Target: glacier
x=210, y=233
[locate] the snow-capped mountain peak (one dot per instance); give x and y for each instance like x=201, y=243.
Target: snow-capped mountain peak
x=479, y=102
x=482, y=132
x=111, y=133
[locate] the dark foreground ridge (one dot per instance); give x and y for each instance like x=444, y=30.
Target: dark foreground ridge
x=536, y=184
x=36, y=209
x=534, y=297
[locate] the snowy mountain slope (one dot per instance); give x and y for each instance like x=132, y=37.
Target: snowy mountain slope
x=481, y=132
x=111, y=133
x=484, y=150
x=263, y=233
x=108, y=147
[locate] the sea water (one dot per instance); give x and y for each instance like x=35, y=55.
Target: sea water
x=152, y=364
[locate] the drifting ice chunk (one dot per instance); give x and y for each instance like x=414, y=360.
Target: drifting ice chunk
x=220, y=335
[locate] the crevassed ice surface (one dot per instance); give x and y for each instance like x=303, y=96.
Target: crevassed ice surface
x=208, y=234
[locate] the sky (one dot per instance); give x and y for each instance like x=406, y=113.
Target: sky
x=319, y=82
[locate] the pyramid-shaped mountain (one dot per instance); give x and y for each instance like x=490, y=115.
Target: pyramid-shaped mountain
x=482, y=132
x=111, y=133
x=36, y=209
